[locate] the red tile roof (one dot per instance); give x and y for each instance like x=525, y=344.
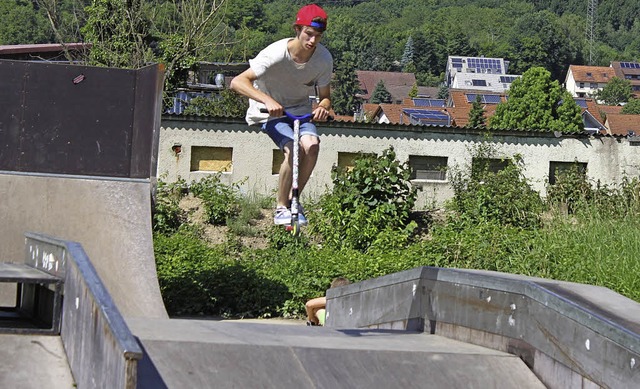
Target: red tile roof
x=621, y=124
x=599, y=74
x=397, y=84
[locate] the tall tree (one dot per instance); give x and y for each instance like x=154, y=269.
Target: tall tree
x=118, y=32
x=380, y=94
x=345, y=86
x=538, y=102
x=407, y=55
x=541, y=40
x=615, y=92
x=476, y=115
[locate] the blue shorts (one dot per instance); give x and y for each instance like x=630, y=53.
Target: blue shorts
x=280, y=130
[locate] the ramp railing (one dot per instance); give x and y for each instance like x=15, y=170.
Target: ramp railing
x=101, y=350
x=570, y=335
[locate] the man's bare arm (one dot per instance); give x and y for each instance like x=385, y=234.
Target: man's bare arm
x=321, y=113
x=243, y=84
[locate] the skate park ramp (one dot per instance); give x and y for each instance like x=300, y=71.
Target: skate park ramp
x=199, y=354
x=86, y=202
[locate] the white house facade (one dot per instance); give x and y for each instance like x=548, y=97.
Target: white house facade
x=586, y=81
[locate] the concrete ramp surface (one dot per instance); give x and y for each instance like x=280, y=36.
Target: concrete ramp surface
x=111, y=218
x=210, y=354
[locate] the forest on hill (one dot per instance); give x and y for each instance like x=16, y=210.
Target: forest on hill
x=382, y=35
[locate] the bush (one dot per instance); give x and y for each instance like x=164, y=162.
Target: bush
x=571, y=189
x=504, y=196
x=375, y=196
x=166, y=213
x=221, y=201
x=196, y=279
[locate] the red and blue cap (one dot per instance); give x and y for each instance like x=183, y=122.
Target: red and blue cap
x=308, y=13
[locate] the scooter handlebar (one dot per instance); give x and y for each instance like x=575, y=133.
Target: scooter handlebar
x=294, y=117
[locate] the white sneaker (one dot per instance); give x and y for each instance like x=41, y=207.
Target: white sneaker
x=282, y=217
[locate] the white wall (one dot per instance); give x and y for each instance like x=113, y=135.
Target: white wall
x=608, y=158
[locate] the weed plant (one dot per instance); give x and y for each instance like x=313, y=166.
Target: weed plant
x=363, y=228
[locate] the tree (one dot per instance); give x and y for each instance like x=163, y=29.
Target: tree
x=538, y=102
x=476, y=115
x=413, y=93
x=22, y=24
x=542, y=40
x=380, y=94
x=615, y=92
x=632, y=107
x=443, y=92
x=407, y=55
x=228, y=103
x=345, y=86
x=118, y=32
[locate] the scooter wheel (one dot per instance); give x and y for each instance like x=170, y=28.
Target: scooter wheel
x=295, y=227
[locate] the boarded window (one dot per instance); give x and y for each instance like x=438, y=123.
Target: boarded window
x=211, y=159
x=347, y=160
x=559, y=168
x=489, y=164
x=428, y=167
x=276, y=161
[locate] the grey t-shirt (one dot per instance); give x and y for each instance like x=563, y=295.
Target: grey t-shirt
x=286, y=81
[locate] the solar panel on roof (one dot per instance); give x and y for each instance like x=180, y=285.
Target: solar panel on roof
x=431, y=115
x=507, y=79
x=424, y=116
x=419, y=102
x=581, y=103
x=630, y=65
x=487, y=99
x=492, y=99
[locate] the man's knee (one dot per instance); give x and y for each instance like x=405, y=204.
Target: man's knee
x=311, y=147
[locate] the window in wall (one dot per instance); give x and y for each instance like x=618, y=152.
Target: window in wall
x=428, y=167
x=347, y=160
x=211, y=159
x=593, y=85
x=558, y=168
x=582, y=85
x=276, y=161
x=491, y=164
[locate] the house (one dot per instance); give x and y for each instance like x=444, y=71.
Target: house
x=585, y=81
x=417, y=111
x=592, y=117
x=623, y=124
x=497, y=83
x=398, y=84
x=487, y=74
x=629, y=71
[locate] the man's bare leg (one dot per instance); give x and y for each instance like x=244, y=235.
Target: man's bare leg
x=284, y=177
x=309, y=150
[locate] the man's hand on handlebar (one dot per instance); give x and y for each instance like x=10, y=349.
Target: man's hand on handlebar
x=320, y=114
x=274, y=108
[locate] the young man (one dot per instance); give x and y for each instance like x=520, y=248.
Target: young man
x=281, y=78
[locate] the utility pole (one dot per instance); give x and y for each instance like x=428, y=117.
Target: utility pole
x=592, y=6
